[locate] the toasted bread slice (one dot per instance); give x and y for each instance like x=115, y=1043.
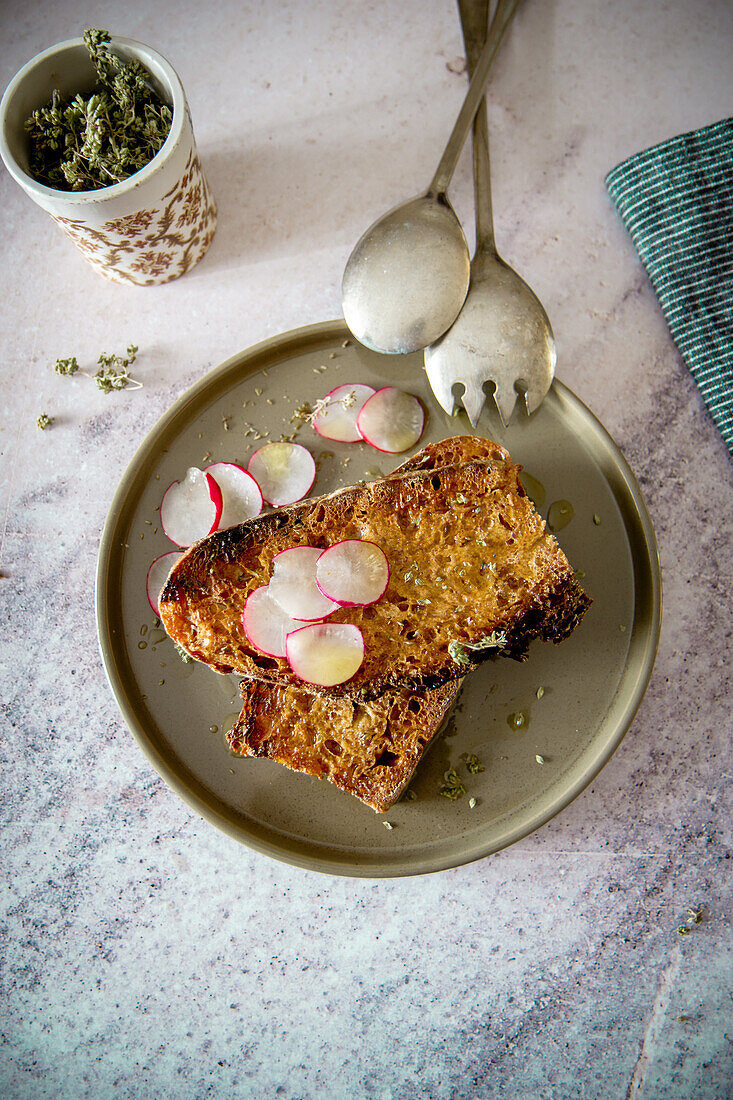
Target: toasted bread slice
x=474, y=572
x=369, y=750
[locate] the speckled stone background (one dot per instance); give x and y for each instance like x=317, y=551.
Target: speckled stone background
x=143, y=952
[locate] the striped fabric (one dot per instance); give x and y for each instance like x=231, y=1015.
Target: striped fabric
x=676, y=200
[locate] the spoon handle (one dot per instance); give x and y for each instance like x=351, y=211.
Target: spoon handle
x=471, y=103
x=474, y=24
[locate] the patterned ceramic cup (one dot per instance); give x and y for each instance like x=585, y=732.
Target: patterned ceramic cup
x=149, y=228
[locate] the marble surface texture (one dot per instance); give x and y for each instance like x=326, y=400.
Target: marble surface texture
x=143, y=952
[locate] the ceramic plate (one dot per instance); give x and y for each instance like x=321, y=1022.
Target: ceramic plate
x=591, y=685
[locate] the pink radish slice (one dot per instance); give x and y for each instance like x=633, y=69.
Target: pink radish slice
x=354, y=573
x=242, y=499
x=158, y=575
x=191, y=508
x=336, y=419
x=325, y=653
x=392, y=420
x=294, y=587
x=266, y=624
x=283, y=471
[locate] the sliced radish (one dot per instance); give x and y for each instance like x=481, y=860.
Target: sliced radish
x=325, y=653
x=294, y=587
x=336, y=417
x=354, y=573
x=158, y=575
x=191, y=508
x=241, y=495
x=392, y=420
x=283, y=471
x=266, y=624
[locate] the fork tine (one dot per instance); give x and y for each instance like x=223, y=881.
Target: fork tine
x=473, y=401
x=441, y=383
x=505, y=397
x=536, y=394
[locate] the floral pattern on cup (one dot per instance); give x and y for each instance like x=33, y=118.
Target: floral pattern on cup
x=156, y=245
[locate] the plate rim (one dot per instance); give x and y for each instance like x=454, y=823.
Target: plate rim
x=213, y=809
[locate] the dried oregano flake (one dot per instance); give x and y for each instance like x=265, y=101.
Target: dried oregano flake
x=452, y=787
x=113, y=372
x=457, y=650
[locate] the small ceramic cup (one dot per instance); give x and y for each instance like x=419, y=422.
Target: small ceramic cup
x=151, y=227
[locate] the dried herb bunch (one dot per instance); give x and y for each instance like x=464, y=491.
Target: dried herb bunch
x=102, y=138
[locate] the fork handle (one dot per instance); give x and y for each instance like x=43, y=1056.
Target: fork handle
x=474, y=24
x=474, y=97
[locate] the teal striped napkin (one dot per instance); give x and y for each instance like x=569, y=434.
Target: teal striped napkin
x=676, y=200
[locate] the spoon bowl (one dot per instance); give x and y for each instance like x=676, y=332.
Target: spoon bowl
x=407, y=278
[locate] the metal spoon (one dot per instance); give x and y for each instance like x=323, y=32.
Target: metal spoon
x=407, y=278
x=502, y=334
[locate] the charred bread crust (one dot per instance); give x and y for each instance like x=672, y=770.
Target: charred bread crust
x=454, y=451
x=368, y=750
x=518, y=583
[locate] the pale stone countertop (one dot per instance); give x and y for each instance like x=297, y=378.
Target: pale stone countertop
x=145, y=953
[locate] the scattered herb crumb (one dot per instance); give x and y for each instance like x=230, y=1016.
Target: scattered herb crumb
x=473, y=764
x=694, y=916
x=540, y=692
x=388, y=825
x=472, y=803
x=114, y=374
x=44, y=421
x=452, y=787
x=303, y=413
x=597, y=519
x=66, y=366
x=457, y=650
x=113, y=370
x=185, y=657
x=539, y=759
x=258, y=391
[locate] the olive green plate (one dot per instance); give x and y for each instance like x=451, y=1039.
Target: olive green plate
x=592, y=683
